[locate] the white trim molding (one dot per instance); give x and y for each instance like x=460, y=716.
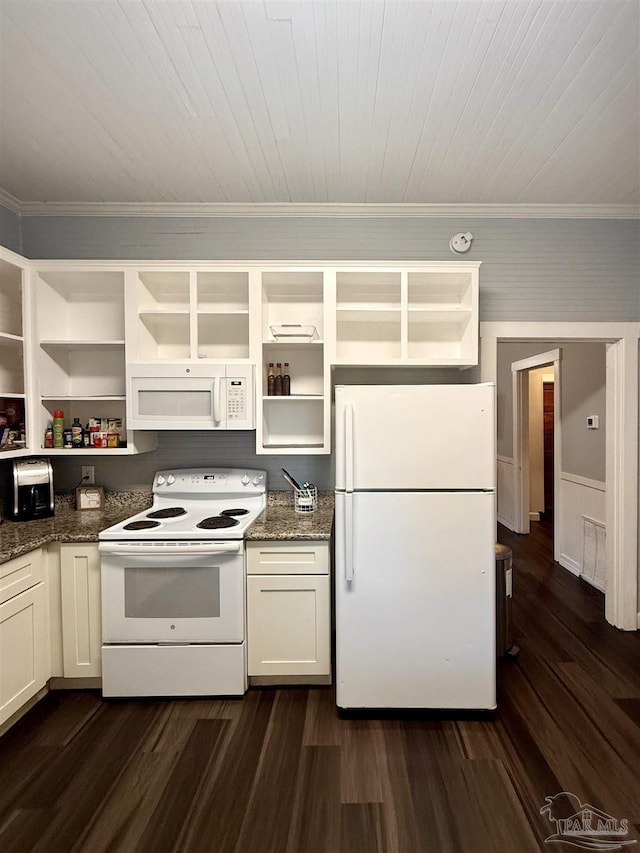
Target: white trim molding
x=319, y=210
x=621, y=598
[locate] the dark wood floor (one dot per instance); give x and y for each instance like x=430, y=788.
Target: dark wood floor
x=281, y=770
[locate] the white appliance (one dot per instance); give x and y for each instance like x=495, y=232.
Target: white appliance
x=190, y=396
x=415, y=545
x=173, y=586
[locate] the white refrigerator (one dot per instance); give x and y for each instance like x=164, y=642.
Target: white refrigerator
x=415, y=546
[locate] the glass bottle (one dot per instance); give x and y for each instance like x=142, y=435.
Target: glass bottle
x=278, y=380
x=286, y=381
x=76, y=433
x=271, y=379
x=48, y=435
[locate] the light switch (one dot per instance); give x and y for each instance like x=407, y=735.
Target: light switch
x=593, y=422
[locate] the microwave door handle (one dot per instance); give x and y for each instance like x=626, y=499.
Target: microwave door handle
x=216, y=400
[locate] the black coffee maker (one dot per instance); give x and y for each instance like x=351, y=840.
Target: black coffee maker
x=32, y=495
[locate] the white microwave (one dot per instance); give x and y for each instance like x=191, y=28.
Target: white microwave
x=190, y=396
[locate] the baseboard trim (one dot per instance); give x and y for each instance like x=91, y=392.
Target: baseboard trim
x=534, y=516
x=570, y=565
x=506, y=522
x=28, y=705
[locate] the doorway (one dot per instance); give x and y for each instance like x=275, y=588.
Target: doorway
x=621, y=339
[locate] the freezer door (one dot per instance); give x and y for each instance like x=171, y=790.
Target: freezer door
x=415, y=437
x=415, y=602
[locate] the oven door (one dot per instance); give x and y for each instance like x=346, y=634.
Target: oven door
x=172, y=592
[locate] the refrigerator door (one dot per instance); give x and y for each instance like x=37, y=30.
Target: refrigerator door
x=415, y=625
x=415, y=437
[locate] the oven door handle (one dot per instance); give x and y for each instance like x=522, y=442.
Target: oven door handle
x=147, y=549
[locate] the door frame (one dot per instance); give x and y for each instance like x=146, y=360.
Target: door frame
x=520, y=381
x=621, y=596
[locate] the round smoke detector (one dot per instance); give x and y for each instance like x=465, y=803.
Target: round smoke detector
x=461, y=243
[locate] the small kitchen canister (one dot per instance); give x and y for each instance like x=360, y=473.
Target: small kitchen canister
x=306, y=498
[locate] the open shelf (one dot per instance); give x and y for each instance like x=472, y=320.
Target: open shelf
x=223, y=335
x=293, y=423
x=74, y=303
x=166, y=290
x=224, y=291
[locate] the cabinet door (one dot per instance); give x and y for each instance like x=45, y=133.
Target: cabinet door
x=81, y=615
x=23, y=649
x=288, y=625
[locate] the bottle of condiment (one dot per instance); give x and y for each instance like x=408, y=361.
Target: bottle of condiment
x=86, y=437
x=76, y=433
x=271, y=380
x=48, y=435
x=67, y=438
x=277, y=385
x=58, y=428
x=286, y=381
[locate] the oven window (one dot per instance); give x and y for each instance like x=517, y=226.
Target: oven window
x=172, y=593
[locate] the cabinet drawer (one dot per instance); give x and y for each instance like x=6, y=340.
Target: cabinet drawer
x=20, y=574
x=288, y=558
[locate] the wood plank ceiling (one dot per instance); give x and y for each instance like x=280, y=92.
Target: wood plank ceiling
x=317, y=101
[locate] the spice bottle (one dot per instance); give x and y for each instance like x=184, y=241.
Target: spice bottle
x=286, y=381
x=271, y=380
x=58, y=428
x=48, y=435
x=278, y=380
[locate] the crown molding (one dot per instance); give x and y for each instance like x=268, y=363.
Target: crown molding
x=322, y=210
x=10, y=201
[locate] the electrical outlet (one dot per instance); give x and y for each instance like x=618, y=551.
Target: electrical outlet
x=88, y=474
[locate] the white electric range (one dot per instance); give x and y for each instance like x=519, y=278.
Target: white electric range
x=173, y=586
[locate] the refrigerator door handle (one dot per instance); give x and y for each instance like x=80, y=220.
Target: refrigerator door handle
x=348, y=537
x=348, y=447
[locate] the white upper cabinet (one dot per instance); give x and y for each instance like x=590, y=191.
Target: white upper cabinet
x=14, y=402
x=80, y=359
x=294, y=416
x=188, y=314
x=421, y=314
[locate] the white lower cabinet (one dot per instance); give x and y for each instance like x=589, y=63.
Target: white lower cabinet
x=24, y=627
x=81, y=612
x=288, y=609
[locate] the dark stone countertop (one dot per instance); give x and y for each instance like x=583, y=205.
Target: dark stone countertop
x=281, y=521
x=278, y=521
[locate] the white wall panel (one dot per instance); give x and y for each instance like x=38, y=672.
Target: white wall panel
x=579, y=497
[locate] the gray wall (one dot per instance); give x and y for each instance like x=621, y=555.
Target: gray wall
x=583, y=388
x=10, y=230
x=533, y=269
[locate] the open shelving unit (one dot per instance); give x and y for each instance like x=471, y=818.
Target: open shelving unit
x=189, y=315
x=425, y=314
x=13, y=390
x=292, y=329
x=80, y=324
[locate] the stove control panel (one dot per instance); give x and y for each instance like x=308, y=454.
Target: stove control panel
x=198, y=481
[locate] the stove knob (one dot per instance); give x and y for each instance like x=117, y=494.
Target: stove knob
x=161, y=480
x=170, y=479
x=245, y=480
x=257, y=479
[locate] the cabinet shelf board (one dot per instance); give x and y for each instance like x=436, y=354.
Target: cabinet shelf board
x=271, y=343
x=62, y=344
x=7, y=339
x=292, y=398
x=161, y=312
x=221, y=311
x=86, y=451
x=96, y=397
x=373, y=308
x=284, y=445
x=11, y=395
